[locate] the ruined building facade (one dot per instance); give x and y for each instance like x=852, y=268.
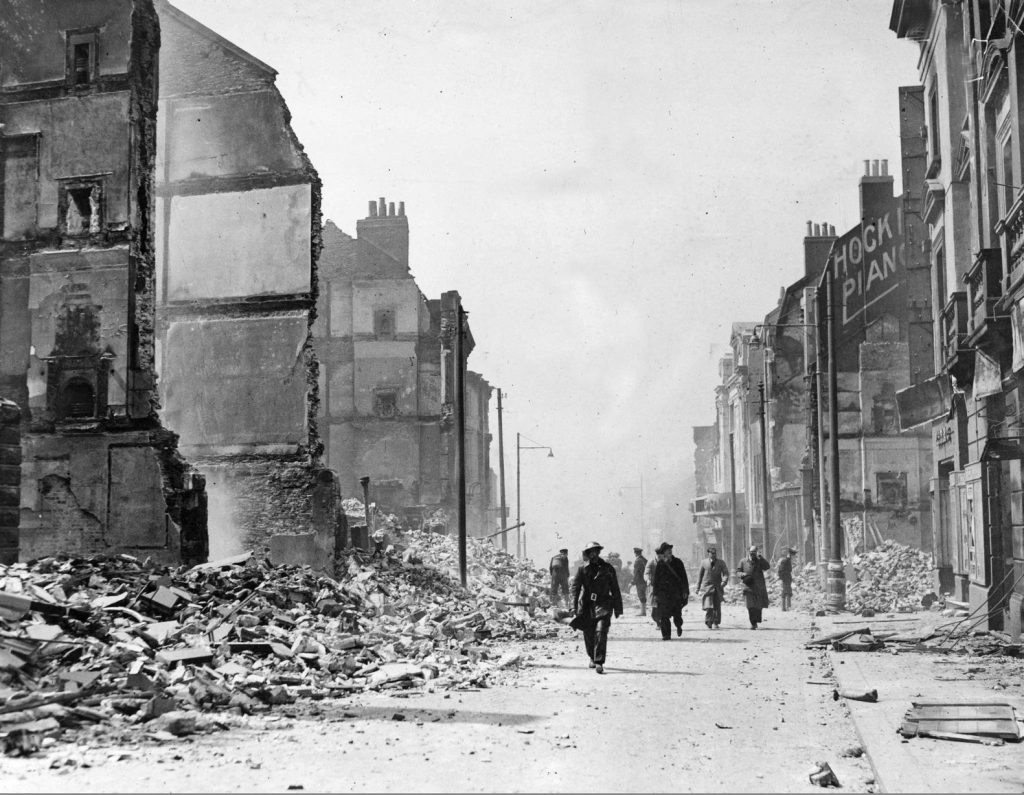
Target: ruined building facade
x=387, y=375
x=237, y=239
x=100, y=470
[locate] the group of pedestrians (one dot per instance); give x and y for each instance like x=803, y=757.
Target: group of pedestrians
x=596, y=594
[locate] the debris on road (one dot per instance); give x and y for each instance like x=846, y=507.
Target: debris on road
x=856, y=695
x=823, y=776
x=963, y=721
x=116, y=640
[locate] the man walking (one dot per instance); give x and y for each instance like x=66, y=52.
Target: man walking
x=559, y=570
x=755, y=592
x=670, y=591
x=639, y=583
x=711, y=580
x=595, y=596
x=785, y=572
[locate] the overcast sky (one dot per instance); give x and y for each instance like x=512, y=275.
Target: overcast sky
x=608, y=184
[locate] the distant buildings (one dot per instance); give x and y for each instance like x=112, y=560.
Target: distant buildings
x=386, y=370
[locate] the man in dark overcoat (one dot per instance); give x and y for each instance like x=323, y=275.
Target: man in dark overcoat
x=755, y=593
x=670, y=591
x=595, y=596
x=785, y=572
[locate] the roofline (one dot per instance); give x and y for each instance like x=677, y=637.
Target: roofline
x=163, y=6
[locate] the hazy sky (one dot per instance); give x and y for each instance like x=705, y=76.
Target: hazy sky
x=609, y=185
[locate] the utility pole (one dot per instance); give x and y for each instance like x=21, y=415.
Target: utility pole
x=519, y=505
x=501, y=479
x=836, y=581
x=765, y=480
x=460, y=431
x=732, y=502
x=825, y=549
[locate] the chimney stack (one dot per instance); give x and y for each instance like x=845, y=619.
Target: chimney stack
x=387, y=232
x=817, y=245
x=876, y=188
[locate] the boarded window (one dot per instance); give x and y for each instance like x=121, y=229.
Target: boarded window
x=81, y=58
x=384, y=323
x=386, y=403
x=892, y=489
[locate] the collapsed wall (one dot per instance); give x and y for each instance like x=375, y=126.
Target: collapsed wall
x=238, y=238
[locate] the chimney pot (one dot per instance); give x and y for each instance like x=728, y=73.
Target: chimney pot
x=809, y=229
x=874, y=167
x=817, y=230
x=885, y=168
x=391, y=209
x=832, y=230
x=373, y=209
x=867, y=168
x=401, y=209
x=382, y=208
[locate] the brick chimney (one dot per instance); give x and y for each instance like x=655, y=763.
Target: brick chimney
x=817, y=244
x=385, y=231
x=876, y=185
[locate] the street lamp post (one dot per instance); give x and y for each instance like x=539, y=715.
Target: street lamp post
x=520, y=535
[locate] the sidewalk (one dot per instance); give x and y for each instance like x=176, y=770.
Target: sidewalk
x=921, y=764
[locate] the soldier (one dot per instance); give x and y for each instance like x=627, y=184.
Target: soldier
x=559, y=570
x=711, y=580
x=639, y=570
x=595, y=596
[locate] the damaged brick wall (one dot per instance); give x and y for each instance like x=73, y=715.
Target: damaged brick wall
x=10, y=479
x=240, y=230
x=77, y=286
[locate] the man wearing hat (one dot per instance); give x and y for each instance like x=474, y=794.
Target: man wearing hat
x=785, y=572
x=595, y=596
x=670, y=591
x=711, y=580
x=755, y=592
x=639, y=582
x=559, y=570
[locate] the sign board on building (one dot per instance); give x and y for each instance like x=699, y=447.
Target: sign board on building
x=869, y=277
x=921, y=403
x=988, y=380
x=1017, y=334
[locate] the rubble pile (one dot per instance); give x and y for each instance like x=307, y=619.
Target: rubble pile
x=122, y=641
x=890, y=578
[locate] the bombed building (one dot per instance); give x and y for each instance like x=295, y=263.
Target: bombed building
x=387, y=368
x=100, y=467
x=237, y=238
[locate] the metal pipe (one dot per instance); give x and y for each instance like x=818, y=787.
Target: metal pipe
x=519, y=506
x=765, y=479
x=825, y=541
x=460, y=410
x=732, y=501
x=836, y=598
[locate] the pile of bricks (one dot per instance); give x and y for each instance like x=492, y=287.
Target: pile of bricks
x=123, y=641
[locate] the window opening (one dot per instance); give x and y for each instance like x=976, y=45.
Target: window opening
x=387, y=403
x=81, y=64
x=77, y=400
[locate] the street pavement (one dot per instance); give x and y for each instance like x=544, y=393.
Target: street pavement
x=728, y=710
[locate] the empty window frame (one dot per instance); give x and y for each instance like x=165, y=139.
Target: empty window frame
x=82, y=57
x=81, y=206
